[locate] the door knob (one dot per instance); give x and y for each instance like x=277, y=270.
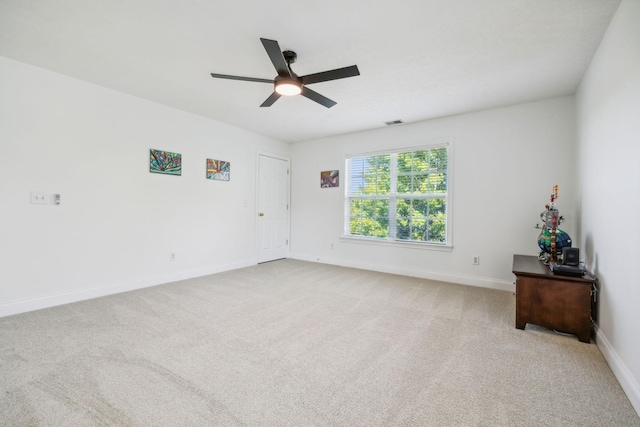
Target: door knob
x=261, y=214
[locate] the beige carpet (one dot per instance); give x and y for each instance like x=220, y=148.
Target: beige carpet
x=292, y=343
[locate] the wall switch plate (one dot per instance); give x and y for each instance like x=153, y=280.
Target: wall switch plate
x=39, y=198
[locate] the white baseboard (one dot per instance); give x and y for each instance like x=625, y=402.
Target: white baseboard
x=37, y=303
x=620, y=370
x=482, y=282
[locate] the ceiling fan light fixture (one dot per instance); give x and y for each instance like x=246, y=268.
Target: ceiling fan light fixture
x=287, y=82
x=288, y=87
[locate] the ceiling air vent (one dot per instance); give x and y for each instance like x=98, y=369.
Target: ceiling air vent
x=393, y=122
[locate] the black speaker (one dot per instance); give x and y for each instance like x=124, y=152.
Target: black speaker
x=571, y=256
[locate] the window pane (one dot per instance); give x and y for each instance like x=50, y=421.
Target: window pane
x=356, y=176
x=370, y=184
x=369, y=226
x=438, y=159
x=382, y=208
x=437, y=183
x=368, y=208
x=383, y=163
x=403, y=219
x=420, y=208
x=419, y=229
x=404, y=184
x=376, y=164
x=437, y=231
x=369, y=166
x=356, y=165
x=421, y=161
x=403, y=208
x=420, y=184
x=354, y=226
x=355, y=188
x=437, y=208
x=356, y=185
x=382, y=227
x=384, y=184
x=355, y=207
x=402, y=229
x=405, y=162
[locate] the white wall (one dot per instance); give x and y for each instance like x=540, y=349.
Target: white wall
x=505, y=164
x=608, y=132
x=117, y=222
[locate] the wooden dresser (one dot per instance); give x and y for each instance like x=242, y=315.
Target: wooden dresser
x=561, y=303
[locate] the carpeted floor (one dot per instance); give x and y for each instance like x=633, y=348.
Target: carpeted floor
x=292, y=343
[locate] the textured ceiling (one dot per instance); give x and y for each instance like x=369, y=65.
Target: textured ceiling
x=418, y=59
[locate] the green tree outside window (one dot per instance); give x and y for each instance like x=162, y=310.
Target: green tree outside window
x=398, y=196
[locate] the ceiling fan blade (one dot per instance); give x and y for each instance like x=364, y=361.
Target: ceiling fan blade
x=315, y=96
x=246, y=79
x=271, y=99
x=275, y=54
x=339, y=73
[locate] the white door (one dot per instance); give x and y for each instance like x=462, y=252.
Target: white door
x=273, y=208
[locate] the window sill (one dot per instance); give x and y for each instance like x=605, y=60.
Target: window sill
x=397, y=243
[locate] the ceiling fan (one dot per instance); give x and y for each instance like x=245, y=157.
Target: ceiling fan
x=289, y=83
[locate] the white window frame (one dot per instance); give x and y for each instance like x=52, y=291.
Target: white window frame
x=432, y=144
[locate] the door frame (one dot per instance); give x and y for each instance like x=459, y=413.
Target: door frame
x=257, y=201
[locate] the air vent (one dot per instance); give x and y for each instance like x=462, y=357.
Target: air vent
x=393, y=122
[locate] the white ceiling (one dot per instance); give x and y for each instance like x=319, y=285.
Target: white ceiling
x=418, y=59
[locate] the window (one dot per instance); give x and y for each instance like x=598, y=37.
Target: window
x=398, y=196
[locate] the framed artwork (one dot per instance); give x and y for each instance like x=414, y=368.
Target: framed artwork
x=165, y=162
x=218, y=170
x=329, y=179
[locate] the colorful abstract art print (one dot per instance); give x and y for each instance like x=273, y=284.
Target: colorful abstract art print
x=329, y=179
x=165, y=162
x=218, y=170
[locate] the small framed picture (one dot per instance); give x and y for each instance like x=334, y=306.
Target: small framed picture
x=165, y=162
x=218, y=170
x=329, y=179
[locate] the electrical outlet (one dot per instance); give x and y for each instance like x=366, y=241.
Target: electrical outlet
x=475, y=260
x=39, y=198
x=332, y=246
x=172, y=256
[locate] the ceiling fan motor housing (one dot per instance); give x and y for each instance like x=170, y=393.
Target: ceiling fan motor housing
x=288, y=85
x=290, y=56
